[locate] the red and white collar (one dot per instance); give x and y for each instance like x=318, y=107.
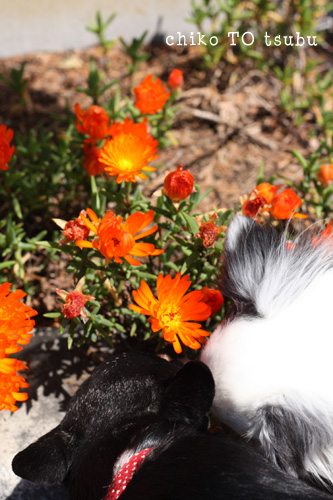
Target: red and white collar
x=125, y=474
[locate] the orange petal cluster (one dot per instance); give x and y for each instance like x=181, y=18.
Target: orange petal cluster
x=129, y=151
x=93, y=122
x=179, y=184
x=173, y=311
x=151, y=95
x=15, y=325
x=284, y=205
x=264, y=198
x=6, y=150
x=175, y=79
x=117, y=239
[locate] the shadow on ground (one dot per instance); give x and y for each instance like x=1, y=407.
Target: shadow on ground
x=29, y=491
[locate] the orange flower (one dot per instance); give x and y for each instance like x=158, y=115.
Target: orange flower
x=178, y=185
x=129, y=127
x=128, y=153
x=325, y=174
x=117, y=239
x=175, y=79
x=284, y=204
x=150, y=95
x=11, y=383
x=75, y=301
x=251, y=208
x=173, y=312
x=265, y=190
x=6, y=151
x=93, y=122
x=213, y=298
x=91, y=161
x=15, y=325
x=15, y=320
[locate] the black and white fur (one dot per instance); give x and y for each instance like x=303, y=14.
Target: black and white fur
x=135, y=401
x=272, y=358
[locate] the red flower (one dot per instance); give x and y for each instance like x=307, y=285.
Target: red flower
x=91, y=161
x=150, y=95
x=6, y=151
x=325, y=174
x=175, y=79
x=178, y=185
x=284, y=204
x=93, y=122
x=213, y=298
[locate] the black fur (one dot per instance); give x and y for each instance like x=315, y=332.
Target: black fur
x=137, y=401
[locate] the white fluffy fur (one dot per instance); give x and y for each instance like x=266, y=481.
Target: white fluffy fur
x=284, y=357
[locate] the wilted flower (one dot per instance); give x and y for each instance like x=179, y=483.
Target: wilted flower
x=178, y=185
x=208, y=230
x=127, y=154
x=251, y=208
x=325, y=174
x=285, y=203
x=213, y=298
x=6, y=150
x=175, y=79
x=150, y=95
x=173, y=312
x=91, y=160
x=93, y=122
x=75, y=301
x=73, y=230
x=116, y=239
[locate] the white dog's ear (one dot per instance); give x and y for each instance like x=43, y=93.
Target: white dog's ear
x=248, y=250
x=238, y=227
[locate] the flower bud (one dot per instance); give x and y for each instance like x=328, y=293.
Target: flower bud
x=178, y=185
x=175, y=79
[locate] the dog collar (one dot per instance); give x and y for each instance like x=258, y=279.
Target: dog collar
x=125, y=474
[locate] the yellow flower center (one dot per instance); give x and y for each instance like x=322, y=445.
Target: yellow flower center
x=169, y=316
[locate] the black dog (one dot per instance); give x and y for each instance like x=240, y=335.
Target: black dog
x=140, y=402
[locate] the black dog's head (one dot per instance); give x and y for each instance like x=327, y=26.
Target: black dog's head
x=131, y=395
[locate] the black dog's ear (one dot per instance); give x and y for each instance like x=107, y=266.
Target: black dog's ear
x=190, y=394
x=47, y=460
